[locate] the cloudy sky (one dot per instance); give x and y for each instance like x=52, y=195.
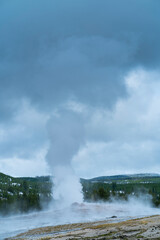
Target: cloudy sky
x=81, y=72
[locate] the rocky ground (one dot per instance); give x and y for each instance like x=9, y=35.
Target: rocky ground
x=144, y=228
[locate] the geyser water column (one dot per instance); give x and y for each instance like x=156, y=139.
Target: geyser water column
x=66, y=135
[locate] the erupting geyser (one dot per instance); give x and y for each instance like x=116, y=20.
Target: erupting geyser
x=66, y=134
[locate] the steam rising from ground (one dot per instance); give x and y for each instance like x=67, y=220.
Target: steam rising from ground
x=66, y=134
x=135, y=207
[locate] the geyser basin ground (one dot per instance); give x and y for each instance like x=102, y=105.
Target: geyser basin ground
x=76, y=213
x=144, y=228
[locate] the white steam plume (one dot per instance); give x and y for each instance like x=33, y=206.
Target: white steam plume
x=66, y=135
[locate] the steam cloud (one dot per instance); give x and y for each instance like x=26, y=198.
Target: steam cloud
x=66, y=134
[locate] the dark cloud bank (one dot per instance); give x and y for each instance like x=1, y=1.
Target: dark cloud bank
x=52, y=52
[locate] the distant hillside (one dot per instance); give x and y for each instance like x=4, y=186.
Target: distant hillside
x=122, y=187
x=24, y=194
x=129, y=178
x=4, y=177
x=35, y=193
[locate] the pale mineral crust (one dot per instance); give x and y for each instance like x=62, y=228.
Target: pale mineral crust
x=144, y=228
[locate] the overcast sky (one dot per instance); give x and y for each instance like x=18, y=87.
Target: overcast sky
x=89, y=66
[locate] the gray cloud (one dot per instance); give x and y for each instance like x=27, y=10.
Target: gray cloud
x=55, y=51
x=51, y=50
x=125, y=139
x=25, y=135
